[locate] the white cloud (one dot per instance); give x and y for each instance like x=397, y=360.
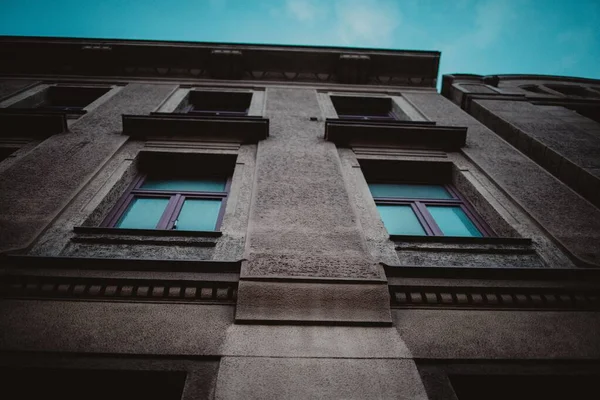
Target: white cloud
x=304, y=10
x=366, y=22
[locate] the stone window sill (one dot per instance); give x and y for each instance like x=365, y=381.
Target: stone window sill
x=86, y=234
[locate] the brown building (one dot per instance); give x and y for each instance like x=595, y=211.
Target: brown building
x=201, y=220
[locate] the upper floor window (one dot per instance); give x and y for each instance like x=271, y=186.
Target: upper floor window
x=70, y=98
x=208, y=103
x=189, y=203
x=573, y=90
x=425, y=210
x=367, y=108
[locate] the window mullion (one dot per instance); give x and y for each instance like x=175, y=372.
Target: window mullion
x=165, y=220
x=176, y=211
x=432, y=228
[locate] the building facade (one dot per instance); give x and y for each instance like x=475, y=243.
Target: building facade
x=198, y=220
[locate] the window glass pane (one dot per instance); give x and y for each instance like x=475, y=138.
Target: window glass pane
x=400, y=220
x=143, y=213
x=407, y=191
x=186, y=185
x=453, y=221
x=198, y=215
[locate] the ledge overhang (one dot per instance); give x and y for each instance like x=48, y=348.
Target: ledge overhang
x=31, y=123
x=395, y=133
x=234, y=129
x=24, y=56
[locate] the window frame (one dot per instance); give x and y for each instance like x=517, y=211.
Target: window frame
x=391, y=116
x=174, y=206
x=419, y=207
x=192, y=110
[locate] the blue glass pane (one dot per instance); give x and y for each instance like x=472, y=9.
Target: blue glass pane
x=185, y=185
x=400, y=220
x=198, y=215
x=453, y=221
x=407, y=191
x=143, y=213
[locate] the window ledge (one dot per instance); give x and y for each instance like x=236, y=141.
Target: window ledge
x=237, y=129
x=86, y=234
x=413, y=133
x=462, y=240
x=36, y=123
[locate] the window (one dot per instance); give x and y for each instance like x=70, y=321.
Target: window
x=69, y=99
x=573, y=90
x=5, y=152
x=32, y=383
x=221, y=104
x=367, y=108
x=425, y=210
x=525, y=387
x=187, y=203
x=534, y=89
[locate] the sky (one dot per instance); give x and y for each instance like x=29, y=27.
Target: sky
x=553, y=37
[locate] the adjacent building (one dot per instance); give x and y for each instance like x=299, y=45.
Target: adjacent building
x=200, y=220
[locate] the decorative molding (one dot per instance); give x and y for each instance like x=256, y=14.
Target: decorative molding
x=493, y=298
x=423, y=135
x=117, y=289
x=234, y=129
x=494, y=288
x=31, y=123
x=117, y=58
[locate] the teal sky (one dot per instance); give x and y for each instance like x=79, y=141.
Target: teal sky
x=556, y=37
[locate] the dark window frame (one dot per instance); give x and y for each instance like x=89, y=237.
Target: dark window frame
x=370, y=117
x=419, y=207
x=366, y=108
x=192, y=110
x=217, y=103
x=176, y=198
x=57, y=98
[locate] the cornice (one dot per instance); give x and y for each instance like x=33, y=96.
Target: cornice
x=109, y=58
x=34, y=123
x=494, y=288
x=424, y=134
x=237, y=129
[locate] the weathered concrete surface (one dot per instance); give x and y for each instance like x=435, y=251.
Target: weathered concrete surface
x=571, y=220
x=475, y=334
x=554, y=137
x=49, y=185
x=113, y=328
x=313, y=342
x=302, y=224
x=338, y=303
x=301, y=221
x=318, y=378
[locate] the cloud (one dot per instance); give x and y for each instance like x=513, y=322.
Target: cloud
x=366, y=22
x=304, y=10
